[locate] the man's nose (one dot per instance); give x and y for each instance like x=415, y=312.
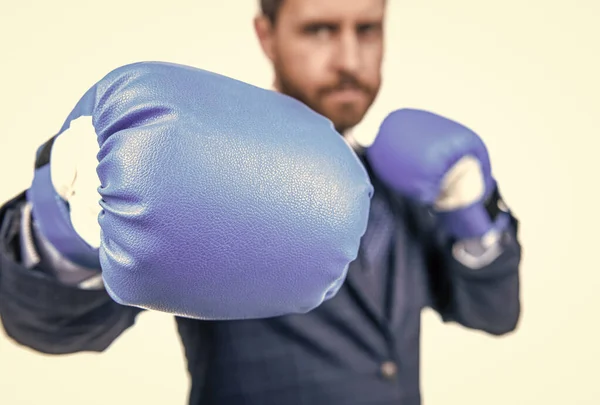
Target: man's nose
x=348, y=55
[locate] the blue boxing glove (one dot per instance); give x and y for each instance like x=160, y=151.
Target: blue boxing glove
x=202, y=196
x=440, y=163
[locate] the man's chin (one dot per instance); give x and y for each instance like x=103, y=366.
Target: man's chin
x=344, y=122
x=343, y=115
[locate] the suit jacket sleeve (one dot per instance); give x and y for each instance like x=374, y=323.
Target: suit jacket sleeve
x=479, y=289
x=40, y=312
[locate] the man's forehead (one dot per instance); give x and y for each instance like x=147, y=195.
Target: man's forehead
x=339, y=10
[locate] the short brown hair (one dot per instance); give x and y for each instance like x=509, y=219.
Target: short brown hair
x=270, y=8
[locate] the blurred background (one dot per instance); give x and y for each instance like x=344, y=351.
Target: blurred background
x=523, y=74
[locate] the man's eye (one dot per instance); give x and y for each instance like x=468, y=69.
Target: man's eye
x=368, y=29
x=320, y=29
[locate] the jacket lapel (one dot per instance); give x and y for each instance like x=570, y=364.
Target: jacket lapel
x=357, y=282
x=371, y=274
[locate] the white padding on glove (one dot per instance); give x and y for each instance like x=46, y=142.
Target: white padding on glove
x=73, y=163
x=462, y=186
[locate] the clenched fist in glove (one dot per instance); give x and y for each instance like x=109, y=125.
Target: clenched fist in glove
x=440, y=163
x=202, y=196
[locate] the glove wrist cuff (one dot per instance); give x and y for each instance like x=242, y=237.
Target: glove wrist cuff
x=476, y=220
x=51, y=214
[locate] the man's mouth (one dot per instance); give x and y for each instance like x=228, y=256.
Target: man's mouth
x=347, y=94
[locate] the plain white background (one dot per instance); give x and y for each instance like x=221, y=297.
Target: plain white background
x=523, y=74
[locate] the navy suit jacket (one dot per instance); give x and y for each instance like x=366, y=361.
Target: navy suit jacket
x=360, y=347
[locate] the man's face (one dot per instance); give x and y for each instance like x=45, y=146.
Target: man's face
x=328, y=55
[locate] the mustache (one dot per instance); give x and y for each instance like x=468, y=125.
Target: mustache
x=346, y=82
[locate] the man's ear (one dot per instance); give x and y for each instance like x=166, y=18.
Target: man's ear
x=265, y=32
